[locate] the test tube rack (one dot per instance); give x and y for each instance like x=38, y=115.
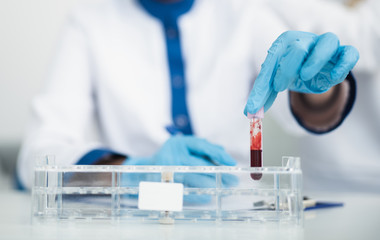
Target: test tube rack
x=93, y=193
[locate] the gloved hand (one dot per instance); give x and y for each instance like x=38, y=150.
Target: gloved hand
x=302, y=62
x=185, y=151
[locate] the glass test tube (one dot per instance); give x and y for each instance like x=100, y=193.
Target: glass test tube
x=256, y=146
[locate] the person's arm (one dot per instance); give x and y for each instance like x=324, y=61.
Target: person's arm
x=322, y=113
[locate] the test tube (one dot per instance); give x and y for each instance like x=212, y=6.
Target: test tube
x=256, y=140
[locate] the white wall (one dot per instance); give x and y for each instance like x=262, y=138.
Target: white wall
x=28, y=34
x=29, y=30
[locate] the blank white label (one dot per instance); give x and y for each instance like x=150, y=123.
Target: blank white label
x=160, y=196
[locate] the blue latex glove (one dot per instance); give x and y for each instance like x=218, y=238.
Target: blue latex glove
x=302, y=62
x=185, y=151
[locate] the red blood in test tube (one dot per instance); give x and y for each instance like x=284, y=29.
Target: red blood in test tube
x=256, y=147
x=256, y=161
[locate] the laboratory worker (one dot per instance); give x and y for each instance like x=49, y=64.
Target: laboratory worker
x=171, y=82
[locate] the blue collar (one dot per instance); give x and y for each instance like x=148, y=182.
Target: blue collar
x=166, y=11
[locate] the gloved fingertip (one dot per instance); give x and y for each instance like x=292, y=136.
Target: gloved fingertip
x=230, y=180
x=338, y=75
x=352, y=52
x=251, y=110
x=232, y=164
x=305, y=74
x=245, y=110
x=226, y=161
x=231, y=161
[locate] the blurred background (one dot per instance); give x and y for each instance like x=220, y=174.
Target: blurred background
x=29, y=33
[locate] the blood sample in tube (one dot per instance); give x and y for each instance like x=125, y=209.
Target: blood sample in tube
x=256, y=146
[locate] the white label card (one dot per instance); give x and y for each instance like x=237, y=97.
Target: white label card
x=160, y=196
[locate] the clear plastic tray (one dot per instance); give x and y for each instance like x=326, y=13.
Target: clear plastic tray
x=110, y=193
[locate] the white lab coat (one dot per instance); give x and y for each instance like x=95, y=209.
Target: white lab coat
x=111, y=66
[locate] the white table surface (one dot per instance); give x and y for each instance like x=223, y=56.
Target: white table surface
x=358, y=219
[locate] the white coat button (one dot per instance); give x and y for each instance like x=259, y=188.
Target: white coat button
x=171, y=32
x=181, y=120
x=177, y=81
